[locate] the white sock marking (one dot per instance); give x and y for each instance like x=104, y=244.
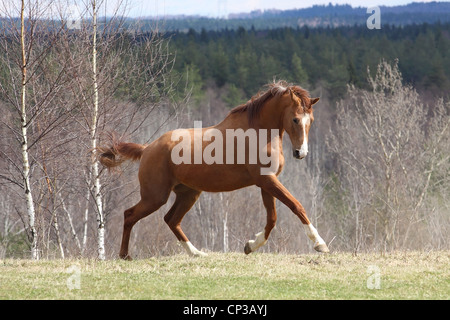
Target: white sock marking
x=258, y=242
x=312, y=233
x=191, y=250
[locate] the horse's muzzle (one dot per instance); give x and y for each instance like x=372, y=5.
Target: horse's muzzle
x=299, y=154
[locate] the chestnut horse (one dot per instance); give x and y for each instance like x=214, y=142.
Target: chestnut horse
x=183, y=161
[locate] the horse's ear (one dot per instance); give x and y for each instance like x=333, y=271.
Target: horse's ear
x=314, y=101
x=291, y=92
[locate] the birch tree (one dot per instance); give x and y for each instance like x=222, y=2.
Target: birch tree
x=27, y=45
x=94, y=138
x=95, y=64
x=119, y=78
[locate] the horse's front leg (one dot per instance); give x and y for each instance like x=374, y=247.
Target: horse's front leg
x=273, y=186
x=261, y=238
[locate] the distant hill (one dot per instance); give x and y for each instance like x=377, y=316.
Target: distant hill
x=316, y=16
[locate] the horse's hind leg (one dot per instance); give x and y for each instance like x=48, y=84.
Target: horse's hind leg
x=185, y=199
x=261, y=238
x=133, y=215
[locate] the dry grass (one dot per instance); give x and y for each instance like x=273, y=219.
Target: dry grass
x=402, y=275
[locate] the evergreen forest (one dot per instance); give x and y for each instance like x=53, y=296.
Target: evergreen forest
x=329, y=58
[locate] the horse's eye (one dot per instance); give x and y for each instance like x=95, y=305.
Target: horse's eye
x=296, y=120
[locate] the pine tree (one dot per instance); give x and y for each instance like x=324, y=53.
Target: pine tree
x=299, y=74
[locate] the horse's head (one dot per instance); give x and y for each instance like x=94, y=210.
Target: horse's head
x=298, y=118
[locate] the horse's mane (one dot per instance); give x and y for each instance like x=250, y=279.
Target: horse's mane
x=254, y=106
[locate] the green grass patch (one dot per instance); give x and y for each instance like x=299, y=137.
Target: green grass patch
x=399, y=275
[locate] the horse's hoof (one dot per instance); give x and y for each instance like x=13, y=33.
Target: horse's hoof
x=199, y=254
x=126, y=257
x=322, y=248
x=247, y=249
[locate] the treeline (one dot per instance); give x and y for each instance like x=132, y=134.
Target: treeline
x=315, y=16
x=327, y=57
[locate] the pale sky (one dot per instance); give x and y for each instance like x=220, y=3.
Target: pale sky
x=214, y=8
x=207, y=8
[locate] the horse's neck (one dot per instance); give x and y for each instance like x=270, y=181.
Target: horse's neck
x=271, y=116
x=234, y=121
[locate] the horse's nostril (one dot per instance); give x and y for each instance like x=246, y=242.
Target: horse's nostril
x=297, y=154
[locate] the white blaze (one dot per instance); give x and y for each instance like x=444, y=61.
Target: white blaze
x=304, y=147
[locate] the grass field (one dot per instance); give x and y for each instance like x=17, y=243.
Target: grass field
x=399, y=275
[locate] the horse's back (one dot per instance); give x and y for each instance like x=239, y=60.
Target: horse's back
x=160, y=166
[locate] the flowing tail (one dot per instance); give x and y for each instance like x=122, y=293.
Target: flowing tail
x=119, y=152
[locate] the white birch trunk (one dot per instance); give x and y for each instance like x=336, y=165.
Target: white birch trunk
x=225, y=225
x=95, y=170
x=58, y=236
x=72, y=227
x=225, y=232
x=25, y=160
x=86, y=213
